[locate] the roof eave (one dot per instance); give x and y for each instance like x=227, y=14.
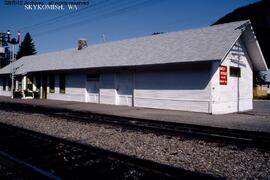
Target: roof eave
x=264, y=66
x=254, y=49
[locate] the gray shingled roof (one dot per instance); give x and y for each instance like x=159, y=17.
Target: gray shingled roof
x=204, y=44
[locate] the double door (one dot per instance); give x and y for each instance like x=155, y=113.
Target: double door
x=124, y=88
x=93, y=91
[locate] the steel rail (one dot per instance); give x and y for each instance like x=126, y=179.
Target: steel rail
x=217, y=134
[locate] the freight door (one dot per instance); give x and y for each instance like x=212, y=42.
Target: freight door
x=92, y=88
x=124, y=88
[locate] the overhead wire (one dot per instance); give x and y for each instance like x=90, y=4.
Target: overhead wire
x=111, y=13
x=63, y=16
x=75, y=17
x=97, y=7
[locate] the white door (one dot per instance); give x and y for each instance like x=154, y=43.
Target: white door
x=235, y=92
x=124, y=88
x=93, y=91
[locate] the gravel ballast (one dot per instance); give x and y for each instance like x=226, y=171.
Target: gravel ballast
x=216, y=159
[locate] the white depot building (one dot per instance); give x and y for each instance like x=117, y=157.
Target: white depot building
x=203, y=70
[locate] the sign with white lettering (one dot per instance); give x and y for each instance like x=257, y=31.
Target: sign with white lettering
x=223, y=75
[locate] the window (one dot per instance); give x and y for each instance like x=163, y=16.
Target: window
x=29, y=83
x=92, y=77
x=235, y=71
x=62, y=83
x=51, y=83
x=4, y=83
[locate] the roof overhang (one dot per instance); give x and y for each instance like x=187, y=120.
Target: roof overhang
x=253, y=48
x=135, y=67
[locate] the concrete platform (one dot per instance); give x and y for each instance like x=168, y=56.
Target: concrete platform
x=256, y=120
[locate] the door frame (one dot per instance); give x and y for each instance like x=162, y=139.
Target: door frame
x=132, y=83
x=87, y=93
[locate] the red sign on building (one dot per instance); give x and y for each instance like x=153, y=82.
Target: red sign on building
x=223, y=75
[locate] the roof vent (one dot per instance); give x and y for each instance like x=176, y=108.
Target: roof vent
x=82, y=43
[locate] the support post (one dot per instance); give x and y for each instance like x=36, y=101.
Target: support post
x=24, y=85
x=12, y=71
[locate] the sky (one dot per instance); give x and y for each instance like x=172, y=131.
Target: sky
x=110, y=20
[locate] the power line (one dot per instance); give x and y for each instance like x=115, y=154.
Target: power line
x=64, y=15
x=94, y=11
x=108, y=14
x=97, y=12
x=68, y=18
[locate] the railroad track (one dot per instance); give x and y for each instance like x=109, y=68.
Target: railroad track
x=222, y=135
x=54, y=158
x=11, y=169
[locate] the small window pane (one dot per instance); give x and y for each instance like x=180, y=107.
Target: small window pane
x=51, y=83
x=62, y=83
x=4, y=83
x=92, y=77
x=235, y=71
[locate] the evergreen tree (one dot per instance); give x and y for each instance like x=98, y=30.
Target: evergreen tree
x=27, y=47
x=259, y=78
x=157, y=33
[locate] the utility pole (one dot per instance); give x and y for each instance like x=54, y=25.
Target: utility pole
x=13, y=42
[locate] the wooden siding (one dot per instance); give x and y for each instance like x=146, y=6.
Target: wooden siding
x=124, y=84
x=75, y=89
x=228, y=98
x=183, y=89
x=2, y=92
x=107, y=88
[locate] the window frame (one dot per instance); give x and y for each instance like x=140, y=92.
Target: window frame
x=235, y=71
x=93, y=77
